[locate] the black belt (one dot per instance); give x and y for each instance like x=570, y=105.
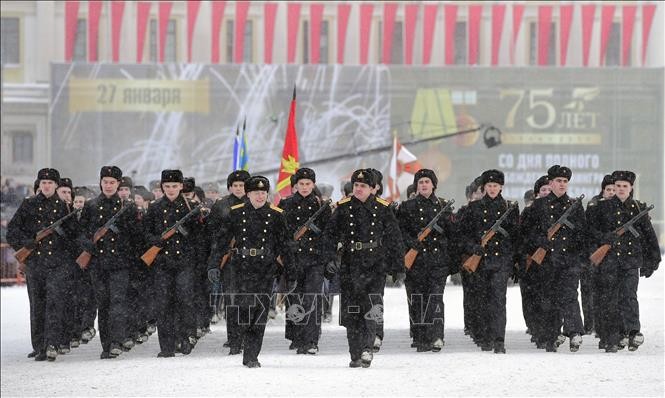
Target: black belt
x=251, y=252
x=363, y=245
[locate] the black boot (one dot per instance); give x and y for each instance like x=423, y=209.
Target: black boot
x=499, y=347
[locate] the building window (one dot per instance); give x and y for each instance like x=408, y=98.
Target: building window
x=613, y=54
x=533, y=44
x=397, y=49
x=248, y=45
x=22, y=147
x=324, y=45
x=81, y=41
x=460, y=43
x=170, y=49
x=10, y=52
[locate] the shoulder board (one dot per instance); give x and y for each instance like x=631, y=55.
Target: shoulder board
x=239, y=205
x=275, y=208
x=602, y=199
x=382, y=201
x=591, y=203
x=341, y=202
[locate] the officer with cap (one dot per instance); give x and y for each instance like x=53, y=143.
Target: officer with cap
x=308, y=250
x=497, y=256
x=369, y=234
x=112, y=256
x=45, y=273
x=220, y=209
x=426, y=279
x=631, y=255
x=561, y=267
x=173, y=266
x=257, y=234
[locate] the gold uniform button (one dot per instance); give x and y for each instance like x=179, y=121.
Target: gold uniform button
x=101, y=250
x=112, y=250
x=177, y=252
x=166, y=252
x=49, y=253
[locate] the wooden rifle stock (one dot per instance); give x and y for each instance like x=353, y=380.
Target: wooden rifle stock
x=471, y=263
x=22, y=254
x=599, y=255
x=411, y=255
x=299, y=233
x=227, y=255
x=539, y=255
x=84, y=258
x=149, y=256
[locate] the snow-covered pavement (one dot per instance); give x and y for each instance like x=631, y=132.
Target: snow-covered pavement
x=461, y=369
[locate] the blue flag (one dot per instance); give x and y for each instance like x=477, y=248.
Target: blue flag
x=240, y=155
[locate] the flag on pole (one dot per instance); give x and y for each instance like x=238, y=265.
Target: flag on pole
x=240, y=155
x=403, y=165
x=289, y=162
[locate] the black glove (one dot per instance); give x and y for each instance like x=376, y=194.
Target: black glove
x=478, y=250
x=291, y=286
x=646, y=272
x=417, y=246
x=213, y=275
x=29, y=243
x=332, y=268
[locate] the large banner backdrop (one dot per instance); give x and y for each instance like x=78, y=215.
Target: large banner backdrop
x=145, y=118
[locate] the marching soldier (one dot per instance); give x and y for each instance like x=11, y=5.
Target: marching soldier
x=112, y=256
x=45, y=273
x=370, y=237
x=173, y=265
x=588, y=278
x=635, y=253
x=426, y=279
x=72, y=333
x=155, y=189
x=530, y=280
x=255, y=235
x=235, y=184
x=308, y=250
x=560, y=270
x=496, y=256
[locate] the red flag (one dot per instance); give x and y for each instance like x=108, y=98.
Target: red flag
x=289, y=162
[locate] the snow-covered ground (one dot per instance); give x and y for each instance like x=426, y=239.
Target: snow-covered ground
x=461, y=369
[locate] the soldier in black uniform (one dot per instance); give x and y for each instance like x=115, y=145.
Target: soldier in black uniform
x=473, y=322
x=561, y=267
x=112, y=257
x=497, y=257
x=589, y=276
x=618, y=273
x=173, y=267
x=259, y=232
x=530, y=280
x=87, y=304
x=72, y=333
x=306, y=300
x=426, y=279
x=370, y=238
x=45, y=272
x=235, y=184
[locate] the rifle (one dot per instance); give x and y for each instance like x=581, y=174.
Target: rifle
x=84, y=258
x=228, y=254
x=411, y=255
x=309, y=224
x=599, y=255
x=22, y=254
x=149, y=256
x=539, y=255
x=471, y=263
